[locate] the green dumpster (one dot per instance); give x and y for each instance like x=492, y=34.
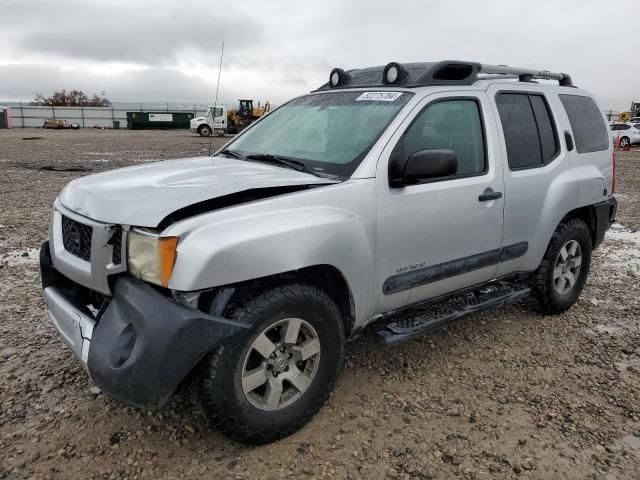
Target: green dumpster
x=161, y=120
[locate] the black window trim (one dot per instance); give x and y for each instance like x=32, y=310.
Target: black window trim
x=553, y=127
x=478, y=103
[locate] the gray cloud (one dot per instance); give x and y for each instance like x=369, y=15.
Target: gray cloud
x=279, y=49
x=150, y=33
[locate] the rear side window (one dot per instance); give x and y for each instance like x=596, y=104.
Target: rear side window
x=529, y=131
x=589, y=129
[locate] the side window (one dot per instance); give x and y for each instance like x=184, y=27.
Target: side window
x=529, y=131
x=450, y=125
x=217, y=112
x=624, y=127
x=589, y=128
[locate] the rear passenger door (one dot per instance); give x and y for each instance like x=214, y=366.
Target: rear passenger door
x=531, y=146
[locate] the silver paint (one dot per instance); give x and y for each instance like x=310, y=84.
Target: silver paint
x=361, y=227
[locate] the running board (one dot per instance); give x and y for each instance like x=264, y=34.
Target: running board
x=419, y=320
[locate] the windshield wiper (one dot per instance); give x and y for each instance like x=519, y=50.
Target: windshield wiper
x=232, y=153
x=288, y=162
x=278, y=160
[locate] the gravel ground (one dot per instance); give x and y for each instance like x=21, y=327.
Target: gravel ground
x=504, y=394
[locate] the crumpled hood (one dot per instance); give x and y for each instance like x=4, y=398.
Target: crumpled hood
x=143, y=195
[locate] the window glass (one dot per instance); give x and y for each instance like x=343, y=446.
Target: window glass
x=529, y=130
x=328, y=132
x=637, y=125
x=624, y=127
x=548, y=140
x=589, y=128
x=520, y=130
x=450, y=125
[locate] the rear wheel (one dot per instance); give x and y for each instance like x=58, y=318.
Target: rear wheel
x=624, y=141
x=266, y=384
x=563, y=271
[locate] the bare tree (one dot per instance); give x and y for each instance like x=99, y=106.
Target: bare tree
x=73, y=98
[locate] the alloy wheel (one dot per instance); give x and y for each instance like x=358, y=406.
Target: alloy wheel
x=567, y=268
x=280, y=364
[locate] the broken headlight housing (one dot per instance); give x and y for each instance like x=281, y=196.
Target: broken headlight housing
x=151, y=257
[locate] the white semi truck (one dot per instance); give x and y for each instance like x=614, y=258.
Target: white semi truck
x=214, y=122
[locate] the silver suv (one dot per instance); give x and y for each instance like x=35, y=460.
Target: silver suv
x=447, y=187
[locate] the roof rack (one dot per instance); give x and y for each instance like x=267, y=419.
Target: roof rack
x=446, y=72
x=526, y=75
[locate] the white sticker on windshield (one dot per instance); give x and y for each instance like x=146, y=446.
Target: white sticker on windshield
x=379, y=96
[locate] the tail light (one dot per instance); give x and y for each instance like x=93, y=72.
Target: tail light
x=613, y=173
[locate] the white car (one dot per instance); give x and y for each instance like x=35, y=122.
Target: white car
x=627, y=133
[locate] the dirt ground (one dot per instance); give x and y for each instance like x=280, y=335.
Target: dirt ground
x=508, y=394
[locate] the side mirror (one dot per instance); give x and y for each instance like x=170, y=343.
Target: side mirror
x=426, y=164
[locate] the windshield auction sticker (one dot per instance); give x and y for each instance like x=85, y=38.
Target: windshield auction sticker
x=379, y=96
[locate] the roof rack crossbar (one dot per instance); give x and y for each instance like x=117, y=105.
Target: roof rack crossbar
x=525, y=74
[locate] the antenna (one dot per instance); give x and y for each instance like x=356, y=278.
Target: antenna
x=215, y=103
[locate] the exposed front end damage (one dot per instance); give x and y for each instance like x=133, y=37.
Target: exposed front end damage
x=140, y=345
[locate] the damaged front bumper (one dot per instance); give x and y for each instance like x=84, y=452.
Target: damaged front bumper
x=141, y=345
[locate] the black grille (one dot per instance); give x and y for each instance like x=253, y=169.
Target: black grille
x=116, y=241
x=76, y=238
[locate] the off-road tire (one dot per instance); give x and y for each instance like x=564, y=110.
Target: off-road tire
x=218, y=387
x=549, y=301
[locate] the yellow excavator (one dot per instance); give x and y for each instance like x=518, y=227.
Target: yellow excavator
x=633, y=112
x=245, y=115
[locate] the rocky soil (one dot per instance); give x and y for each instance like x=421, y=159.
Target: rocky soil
x=507, y=394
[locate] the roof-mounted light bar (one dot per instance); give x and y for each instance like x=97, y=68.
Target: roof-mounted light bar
x=425, y=74
x=338, y=77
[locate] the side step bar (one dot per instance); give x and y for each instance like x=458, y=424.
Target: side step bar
x=419, y=320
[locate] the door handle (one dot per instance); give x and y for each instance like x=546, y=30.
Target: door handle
x=489, y=194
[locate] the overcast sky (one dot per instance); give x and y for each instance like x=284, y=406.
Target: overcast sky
x=163, y=50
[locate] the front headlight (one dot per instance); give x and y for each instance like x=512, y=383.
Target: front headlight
x=151, y=258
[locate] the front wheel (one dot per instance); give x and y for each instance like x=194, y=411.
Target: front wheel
x=268, y=383
x=624, y=141
x=563, y=271
x=204, y=131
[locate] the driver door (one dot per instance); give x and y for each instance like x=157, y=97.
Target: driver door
x=441, y=234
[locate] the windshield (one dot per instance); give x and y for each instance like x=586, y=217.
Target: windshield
x=330, y=132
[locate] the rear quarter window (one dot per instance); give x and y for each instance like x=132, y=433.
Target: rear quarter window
x=589, y=129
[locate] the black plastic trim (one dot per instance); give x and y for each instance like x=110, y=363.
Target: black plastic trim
x=423, y=276
x=144, y=344
x=605, y=216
